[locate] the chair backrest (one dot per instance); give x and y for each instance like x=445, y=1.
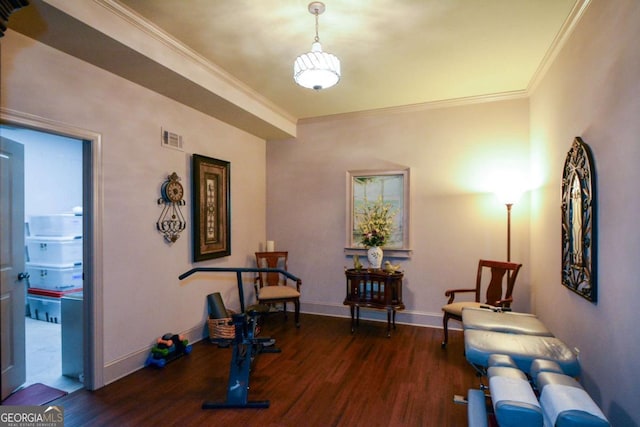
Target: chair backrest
x=276, y=259
x=498, y=269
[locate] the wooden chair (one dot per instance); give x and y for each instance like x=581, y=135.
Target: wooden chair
x=272, y=287
x=494, y=297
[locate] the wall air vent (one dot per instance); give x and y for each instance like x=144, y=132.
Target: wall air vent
x=172, y=140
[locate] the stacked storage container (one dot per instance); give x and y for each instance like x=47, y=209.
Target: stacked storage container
x=54, y=254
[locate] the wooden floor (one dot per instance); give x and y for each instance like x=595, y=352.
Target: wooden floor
x=324, y=376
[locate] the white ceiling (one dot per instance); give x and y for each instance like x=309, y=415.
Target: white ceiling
x=233, y=59
x=393, y=52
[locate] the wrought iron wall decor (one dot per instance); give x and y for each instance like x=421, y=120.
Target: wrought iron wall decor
x=579, y=221
x=171, y=222
x=211, y=208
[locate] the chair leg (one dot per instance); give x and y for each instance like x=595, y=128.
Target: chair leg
x=284, y=308
x=445, y=324
x=296, y=304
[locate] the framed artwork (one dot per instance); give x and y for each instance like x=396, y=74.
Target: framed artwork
x=211, y=208
x=579, y=221
x=390, y=187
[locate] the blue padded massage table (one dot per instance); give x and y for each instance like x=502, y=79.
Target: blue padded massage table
x=503, y=321
x=521, y=336
x=558, y=400
x=516, y=351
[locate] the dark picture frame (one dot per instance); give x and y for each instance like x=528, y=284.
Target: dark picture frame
x=579, y=222
x=211, y=208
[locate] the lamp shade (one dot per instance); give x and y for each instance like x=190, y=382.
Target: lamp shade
x=316, y=69
x=509, y=195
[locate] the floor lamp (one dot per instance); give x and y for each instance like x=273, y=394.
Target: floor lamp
x=509, y=206
x=508, y=197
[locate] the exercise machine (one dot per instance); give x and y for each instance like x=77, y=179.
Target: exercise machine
x=245, y=345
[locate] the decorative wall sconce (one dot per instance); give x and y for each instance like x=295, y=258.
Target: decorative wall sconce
x=171, y=222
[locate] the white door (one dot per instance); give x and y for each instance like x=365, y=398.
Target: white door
x=12, y=283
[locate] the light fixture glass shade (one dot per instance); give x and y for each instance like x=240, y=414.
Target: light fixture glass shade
x=509, y=194
x=316, y=69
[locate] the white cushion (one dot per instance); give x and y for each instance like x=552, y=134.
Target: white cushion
x=557, y=398
x=514, y=402
x=512, y=389
x=277, y=292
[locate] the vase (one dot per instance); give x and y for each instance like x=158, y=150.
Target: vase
x=374, y=255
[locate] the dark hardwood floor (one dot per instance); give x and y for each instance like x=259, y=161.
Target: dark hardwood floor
x=324, y=376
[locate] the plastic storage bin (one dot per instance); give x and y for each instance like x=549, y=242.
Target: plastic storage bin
x=44, y=308
x=45, y=304
x=54, y=250
x=55, y=225
x=55, y=277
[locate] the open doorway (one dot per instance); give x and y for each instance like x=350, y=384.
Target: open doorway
x=54, y=253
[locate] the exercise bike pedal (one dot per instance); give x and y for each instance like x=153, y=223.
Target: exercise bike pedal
x=270, y=350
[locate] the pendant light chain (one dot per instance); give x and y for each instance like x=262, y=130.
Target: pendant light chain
x=317, y=39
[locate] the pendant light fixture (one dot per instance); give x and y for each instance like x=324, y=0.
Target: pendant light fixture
x=316, y=69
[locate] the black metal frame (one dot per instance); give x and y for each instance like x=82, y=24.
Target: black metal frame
x=579, y=239
x=245, y=344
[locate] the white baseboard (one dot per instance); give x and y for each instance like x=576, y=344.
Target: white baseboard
x=134, y=361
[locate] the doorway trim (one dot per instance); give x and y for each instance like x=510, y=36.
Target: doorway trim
x=93, y=199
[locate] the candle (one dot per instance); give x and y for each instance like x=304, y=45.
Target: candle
x=270, y=246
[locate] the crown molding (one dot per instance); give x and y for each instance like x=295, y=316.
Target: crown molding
x=134, y=19
x=105, y=34
x=413, y=108
x=558, y=43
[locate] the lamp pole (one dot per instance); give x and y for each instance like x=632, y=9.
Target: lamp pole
x=509, y=205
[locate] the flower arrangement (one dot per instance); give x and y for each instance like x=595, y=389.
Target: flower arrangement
x=375, y=222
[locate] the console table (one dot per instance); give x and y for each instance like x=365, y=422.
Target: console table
x=374, y=288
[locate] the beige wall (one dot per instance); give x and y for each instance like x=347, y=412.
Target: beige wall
x=593, y=91
x=457, y=157
x=143, y=297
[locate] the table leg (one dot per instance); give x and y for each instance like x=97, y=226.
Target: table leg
x=353, y=322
